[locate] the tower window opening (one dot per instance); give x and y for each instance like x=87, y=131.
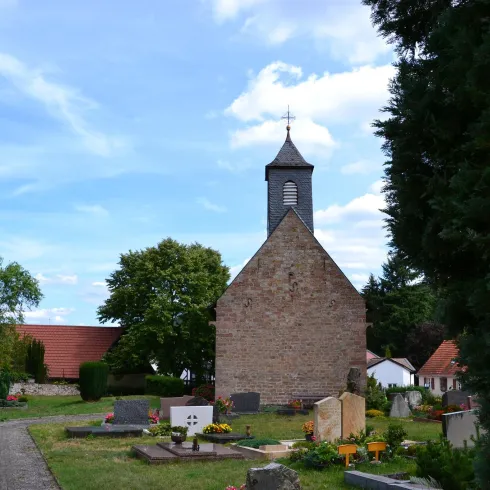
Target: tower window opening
x=290, y=194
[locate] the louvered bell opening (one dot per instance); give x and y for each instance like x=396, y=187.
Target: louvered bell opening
x=290, y=194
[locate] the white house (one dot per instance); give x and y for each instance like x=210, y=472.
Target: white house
x=391, y=372
x=439, y=373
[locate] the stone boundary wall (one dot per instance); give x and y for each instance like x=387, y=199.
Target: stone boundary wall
x=46, y=389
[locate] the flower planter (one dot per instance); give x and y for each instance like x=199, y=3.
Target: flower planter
x=178, y=438
x=309, y=437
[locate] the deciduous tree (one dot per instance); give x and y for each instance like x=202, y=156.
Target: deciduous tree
x=162, y=297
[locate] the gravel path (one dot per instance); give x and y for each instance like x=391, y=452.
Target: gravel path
x=22, y=467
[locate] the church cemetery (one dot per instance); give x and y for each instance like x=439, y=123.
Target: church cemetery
x=112, y=464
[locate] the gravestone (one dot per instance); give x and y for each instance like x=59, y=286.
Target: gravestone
x=328, y=419
x=455, y=397
x=413, y=398
x=246, y=402
x=197, y=401
x=175, y=401
x=131, y=412
x=354, y=381
x=399, y=407
x=353, y=414
x=194, y=418
x=459, y=427
x=274, y=476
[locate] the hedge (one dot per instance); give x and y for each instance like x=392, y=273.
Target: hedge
x=164, y=386
x=93, y=380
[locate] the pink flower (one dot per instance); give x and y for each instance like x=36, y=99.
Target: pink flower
x=313, y=438
x=11, y=398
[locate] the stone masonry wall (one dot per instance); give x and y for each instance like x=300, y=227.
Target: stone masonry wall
x=45, y=390
x=290, y=322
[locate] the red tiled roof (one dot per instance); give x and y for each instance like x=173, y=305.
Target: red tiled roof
x=67, y=346
x=441, y=362
x=370, y=355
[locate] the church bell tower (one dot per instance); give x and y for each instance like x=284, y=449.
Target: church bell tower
x=288, y=179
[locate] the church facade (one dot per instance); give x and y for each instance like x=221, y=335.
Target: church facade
x=291, y=322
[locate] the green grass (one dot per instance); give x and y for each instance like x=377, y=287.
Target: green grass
x=42, y=406
x=417, y=431
x=105, y=464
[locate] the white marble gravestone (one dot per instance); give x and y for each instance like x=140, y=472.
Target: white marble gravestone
x=194, y=418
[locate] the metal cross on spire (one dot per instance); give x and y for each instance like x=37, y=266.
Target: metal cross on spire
x=289, y=117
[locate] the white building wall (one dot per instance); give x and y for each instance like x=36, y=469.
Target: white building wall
x=436, y=390
x=388, y=373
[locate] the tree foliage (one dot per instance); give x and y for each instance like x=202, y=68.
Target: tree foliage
x=438, y=173
x=398, y=304
x=19, y=291
x=162, y=297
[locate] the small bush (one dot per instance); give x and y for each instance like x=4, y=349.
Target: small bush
x=375, y=398
x=395, y=435
x=164, y=386
x=18, y=377
x=256, y=443
x=452, y=468
x=206, y=391
x=163, y=429
x=23, y=399
x=4, y=384
x=93, y=380
x=374, y=413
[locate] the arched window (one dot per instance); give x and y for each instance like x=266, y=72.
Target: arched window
x=290, y=194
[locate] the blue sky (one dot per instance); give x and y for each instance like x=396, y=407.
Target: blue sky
x=123, y=123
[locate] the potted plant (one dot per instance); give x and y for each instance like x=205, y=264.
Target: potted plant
x=224, y=405
x=178, y=434
x=216, y=429
x=308, y=429
x=296, y=404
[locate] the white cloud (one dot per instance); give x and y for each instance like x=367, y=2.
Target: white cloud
x=56, y=315
x=57, y=279
x=235, y=269
x=343, y=28
x=63, y=102
x=360, y=167
x=359, y=280
x=99, y=284
x=94, y=209
x=363, y=207
x=228, y=9
x=316, y=101
x=377, y=186
x=207, y=204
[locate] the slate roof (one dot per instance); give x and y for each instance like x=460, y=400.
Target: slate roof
x=288, y=156
x=401, y=361
x=441, y=362
x=68, y=346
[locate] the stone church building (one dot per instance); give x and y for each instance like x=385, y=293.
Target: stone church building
x=291, y=322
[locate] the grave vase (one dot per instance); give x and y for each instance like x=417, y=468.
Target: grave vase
x=178, y=438
x=309, y=437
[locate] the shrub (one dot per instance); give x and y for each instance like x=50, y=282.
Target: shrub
x=395, y=435
x=387, y=407
x=256, y=443
x=164, y=385
x=162, y=429
x=35, y=361
x=452, y=468
x=23, y=399
x=323, y=455
x=216, y=429
x=93, y=380
x=18, y=377
x=4, y=384
x=375, y=398
x=374, y=413
x=206, y=391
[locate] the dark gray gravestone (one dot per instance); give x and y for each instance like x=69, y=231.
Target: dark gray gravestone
x=131, y=412
x=274, y=476
x=454, y=397
x=197, y=401
x=246, y=402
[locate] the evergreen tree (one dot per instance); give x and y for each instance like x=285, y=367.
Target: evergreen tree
x=438, y=172
x=397, y=303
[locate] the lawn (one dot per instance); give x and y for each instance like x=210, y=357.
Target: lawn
x=42, y=406
x=417, y=431
x=105, y=464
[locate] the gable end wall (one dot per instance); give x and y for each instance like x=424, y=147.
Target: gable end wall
x=290, y=322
